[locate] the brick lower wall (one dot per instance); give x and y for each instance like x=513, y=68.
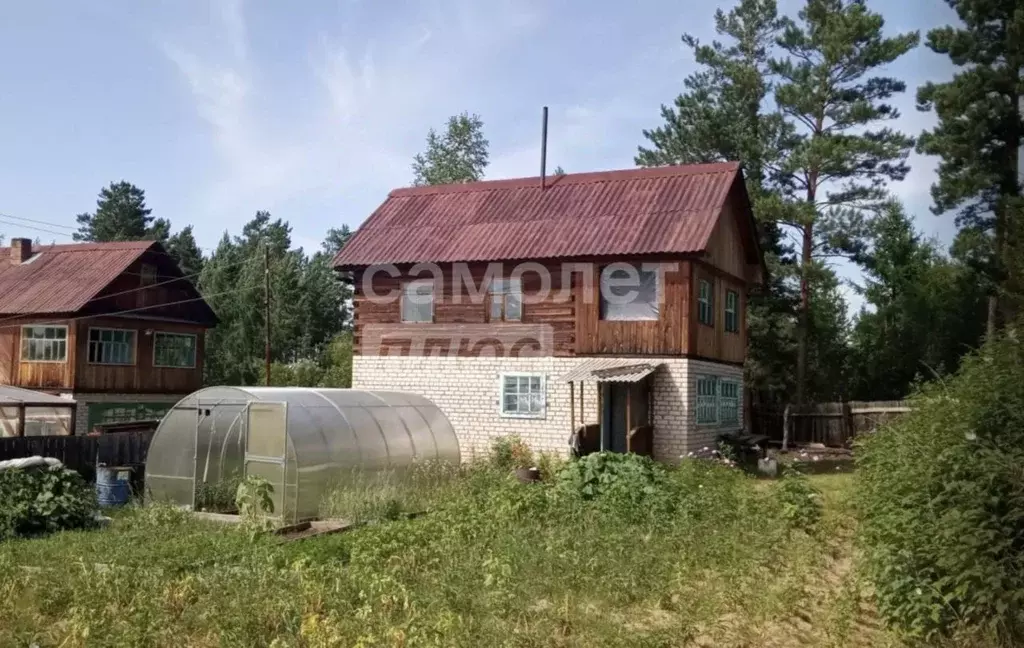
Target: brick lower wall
x=84, y=400
x=468, y=391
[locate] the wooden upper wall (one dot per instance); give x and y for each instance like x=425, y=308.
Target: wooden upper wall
x=566, y=321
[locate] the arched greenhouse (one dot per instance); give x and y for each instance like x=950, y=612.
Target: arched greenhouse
x=301, y=440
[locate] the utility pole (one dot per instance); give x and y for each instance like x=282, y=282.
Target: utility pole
x=266, y=306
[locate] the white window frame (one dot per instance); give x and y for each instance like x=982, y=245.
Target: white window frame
x=134, y=346
x=195, y=348
x=734, y=312
x=709, y=302
x=523, y=415
x=433, y=300
x=21, y=346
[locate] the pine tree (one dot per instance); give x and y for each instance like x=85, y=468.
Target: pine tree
x=979, y=137
x=839, y=161
x=459, y=155
x=121, y=215
x=720, y=116
x=183, y=248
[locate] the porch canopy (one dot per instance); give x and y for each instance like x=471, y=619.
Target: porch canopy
x=623, y=405
x=24, y=412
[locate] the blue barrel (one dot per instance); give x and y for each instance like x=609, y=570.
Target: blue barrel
x=112, y=487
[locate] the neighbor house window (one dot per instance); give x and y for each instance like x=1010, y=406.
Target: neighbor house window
x=418, y=301
x=147, y=274
x=728, y=402
x=706, y=303
x=174, y=350
x=506, y=300
x=732, y=311
x=44, y=343
x=111, y=346
x=707, y=400
x=628, y=293
x=522, y=395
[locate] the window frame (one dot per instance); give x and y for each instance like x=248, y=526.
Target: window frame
x=500, y=297
x=21, y=346
x=503, y=413
x=697, y=403
x=736, y=404
x=735, y=312
x=708, y=305
x=195, y=350
x=148, y=275
x=401, y=302
x=638, y=267
x=134, y=346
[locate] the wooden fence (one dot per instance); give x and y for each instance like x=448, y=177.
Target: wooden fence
x=830, y=424
x=81, y=453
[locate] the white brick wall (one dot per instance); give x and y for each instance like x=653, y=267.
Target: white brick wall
x=82, y=402
x=468, y=390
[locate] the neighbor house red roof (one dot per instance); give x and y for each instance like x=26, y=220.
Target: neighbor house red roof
x=63, y=278
x=637, y=211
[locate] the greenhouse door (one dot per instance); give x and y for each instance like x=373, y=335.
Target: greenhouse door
x=266, y=446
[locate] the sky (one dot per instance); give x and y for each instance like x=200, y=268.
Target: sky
x=314, y=110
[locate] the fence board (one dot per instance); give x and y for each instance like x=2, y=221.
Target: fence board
x=81, y=453
x=830, y=424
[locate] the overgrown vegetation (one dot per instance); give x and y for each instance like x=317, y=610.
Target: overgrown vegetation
x=35, y=501
x=942, y=502
x=494, y=563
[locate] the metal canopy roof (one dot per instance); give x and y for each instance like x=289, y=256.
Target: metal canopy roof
x=14, y=396
x=610, y=370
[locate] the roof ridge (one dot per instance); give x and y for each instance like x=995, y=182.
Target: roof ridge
x=574, y=179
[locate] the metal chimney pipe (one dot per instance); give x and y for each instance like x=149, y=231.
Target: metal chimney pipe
x=544, y=150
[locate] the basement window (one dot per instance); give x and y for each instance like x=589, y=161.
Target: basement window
x=418, y=301
x=522, y=395
x=629, y=293
x=44, y=343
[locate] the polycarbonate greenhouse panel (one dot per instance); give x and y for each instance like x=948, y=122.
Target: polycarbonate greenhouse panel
x=329, y=434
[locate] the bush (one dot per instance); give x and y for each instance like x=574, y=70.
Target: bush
x=626, y=479
x=799, y=500
x=941, y=492
x=35, y=501
x=510, y=452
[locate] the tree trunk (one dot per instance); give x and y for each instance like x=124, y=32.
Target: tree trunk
x=805, y=308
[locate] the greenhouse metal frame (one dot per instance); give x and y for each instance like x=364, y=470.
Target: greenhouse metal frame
x=303, y=441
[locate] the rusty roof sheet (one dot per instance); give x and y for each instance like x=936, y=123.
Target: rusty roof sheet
x=63, y=278
x=610, y=370
x=637, y=211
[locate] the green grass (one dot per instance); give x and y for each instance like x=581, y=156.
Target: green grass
x=494, y=563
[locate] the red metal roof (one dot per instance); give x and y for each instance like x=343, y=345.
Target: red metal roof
x=63, y=278
x=636, y=211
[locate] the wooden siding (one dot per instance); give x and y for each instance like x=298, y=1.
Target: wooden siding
x=462, y=320
x=34, y=375
x=141, y=376
x=127, y=293
x=665, y=336
x=714, y=342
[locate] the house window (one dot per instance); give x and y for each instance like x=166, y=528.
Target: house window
x=628, y=293
x=506, y=300
x=418, y=301
x=174, y=350
x=111, y=346
x=706, y=303
x=728, y=402
x=44, y=343
x=522, y=395
x=147, y=274
x=732, y=311
x=707, y=400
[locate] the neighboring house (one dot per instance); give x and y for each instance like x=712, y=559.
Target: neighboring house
x=616, y=298
x=112, y=325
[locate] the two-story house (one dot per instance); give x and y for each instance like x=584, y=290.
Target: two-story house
x=115, y=326
x=615, y=299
